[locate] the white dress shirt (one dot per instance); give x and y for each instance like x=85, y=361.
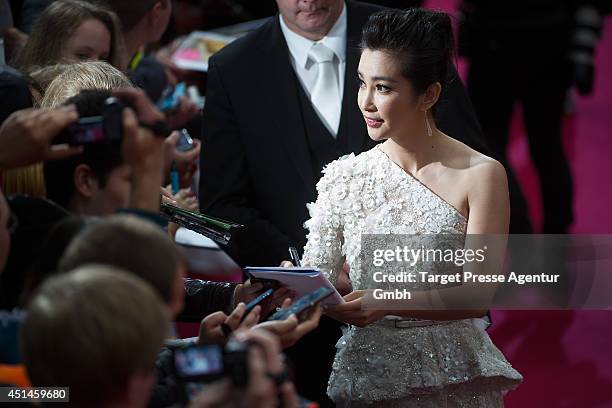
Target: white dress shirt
x=299, y=47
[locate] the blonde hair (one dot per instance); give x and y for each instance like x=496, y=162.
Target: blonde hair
x=58, y=83
x=40, y=78
x=90, y=75
x=55, y=26
x=28, y=180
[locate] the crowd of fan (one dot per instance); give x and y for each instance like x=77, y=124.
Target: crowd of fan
x=90, y=273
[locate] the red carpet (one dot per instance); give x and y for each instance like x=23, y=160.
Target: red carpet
x=566, y=357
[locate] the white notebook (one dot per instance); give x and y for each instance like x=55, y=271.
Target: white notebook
x=301, y=280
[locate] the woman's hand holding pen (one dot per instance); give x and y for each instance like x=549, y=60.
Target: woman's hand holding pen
x=352, y=312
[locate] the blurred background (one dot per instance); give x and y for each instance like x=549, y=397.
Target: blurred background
x=564, y=356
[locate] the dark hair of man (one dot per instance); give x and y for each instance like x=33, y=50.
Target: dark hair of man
x=421, y=40
x=91, y=330
x=101, y=158
x=129, y=243
x=130, y=13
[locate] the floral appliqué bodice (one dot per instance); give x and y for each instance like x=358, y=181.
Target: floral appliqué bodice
x=370, y=194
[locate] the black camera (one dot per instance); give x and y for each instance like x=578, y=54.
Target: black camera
x=196, y=365
x=105, y=128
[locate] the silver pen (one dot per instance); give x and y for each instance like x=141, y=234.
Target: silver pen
x=294, y=256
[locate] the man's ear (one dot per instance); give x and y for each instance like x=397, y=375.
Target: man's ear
x=431, y=96
x=85, y=182
x=156, y=13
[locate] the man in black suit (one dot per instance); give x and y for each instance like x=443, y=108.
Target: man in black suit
x=265, y=141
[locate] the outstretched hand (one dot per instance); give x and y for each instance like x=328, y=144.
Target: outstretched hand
x=187, y=110
x=211, y=327
x=267, y=385
x=290, y=330
x=351, y=311
x=186, y=162
x=146, y=111
x=26, y=136
x=247, y=291
x=141, y=148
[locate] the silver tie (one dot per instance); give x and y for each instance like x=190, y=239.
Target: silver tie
x=325, y=95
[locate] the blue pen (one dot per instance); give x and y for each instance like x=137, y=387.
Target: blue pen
x=174, y=179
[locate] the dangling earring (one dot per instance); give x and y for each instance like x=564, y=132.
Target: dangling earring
x=429, y=132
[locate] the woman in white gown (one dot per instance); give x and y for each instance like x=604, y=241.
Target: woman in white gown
x=419, y=181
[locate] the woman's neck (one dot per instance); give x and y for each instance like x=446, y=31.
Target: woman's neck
x=414, y=153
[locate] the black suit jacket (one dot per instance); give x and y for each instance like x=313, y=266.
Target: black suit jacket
x=255, y=163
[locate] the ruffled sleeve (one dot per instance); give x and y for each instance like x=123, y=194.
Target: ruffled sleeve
x=323, y=249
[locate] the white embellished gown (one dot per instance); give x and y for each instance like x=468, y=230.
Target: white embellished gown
x=439, y=365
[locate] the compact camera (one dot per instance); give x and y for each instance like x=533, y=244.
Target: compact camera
x=196, y=365
x=105, y=128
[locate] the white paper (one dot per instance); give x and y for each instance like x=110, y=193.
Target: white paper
x=186, y=236
x=301, y=283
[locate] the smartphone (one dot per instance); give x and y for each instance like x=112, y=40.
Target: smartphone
x=171, y=98
x=303, y=304
x=185, y=141
x=263, y=297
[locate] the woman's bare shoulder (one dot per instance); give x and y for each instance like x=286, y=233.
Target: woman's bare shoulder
x=472, y=161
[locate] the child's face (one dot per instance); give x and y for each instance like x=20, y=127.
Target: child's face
x=108, y=198
x=91, y=41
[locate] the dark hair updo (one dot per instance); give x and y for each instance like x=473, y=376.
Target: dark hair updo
x=422, y=41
